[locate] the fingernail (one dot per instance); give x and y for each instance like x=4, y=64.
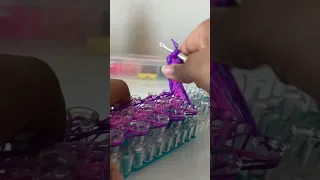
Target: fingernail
x=167, y=70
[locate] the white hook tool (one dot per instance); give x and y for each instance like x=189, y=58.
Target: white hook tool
x=182, y=57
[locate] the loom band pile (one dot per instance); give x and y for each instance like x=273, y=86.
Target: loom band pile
x=234, y=115
x=229, y=97
x=61, y=161
x=257, y=152
x=157, y=112
x=237, y=143
x=78, y=117
x=227, y=164
x=170, y=120
x=173, y=106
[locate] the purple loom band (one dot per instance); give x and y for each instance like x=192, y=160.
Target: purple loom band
x=174, y=59
x=236, y=94
x=158, y=125
x=113, y=141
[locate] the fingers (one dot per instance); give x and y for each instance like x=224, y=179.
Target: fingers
x=189, y=46
x=178, y=72
x=184, y=48
x=119, y=92
x=114, y=172
x=196, y=69
x=198, y=39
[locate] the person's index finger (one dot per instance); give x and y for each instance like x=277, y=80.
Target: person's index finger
x=184, y=48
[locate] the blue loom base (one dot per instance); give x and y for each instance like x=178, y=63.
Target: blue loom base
x=145, y=164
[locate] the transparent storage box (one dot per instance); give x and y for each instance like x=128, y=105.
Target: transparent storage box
x=137, y=67
x=55, y=25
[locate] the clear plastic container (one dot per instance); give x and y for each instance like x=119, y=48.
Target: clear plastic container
x=64, y=26
x=137, y=67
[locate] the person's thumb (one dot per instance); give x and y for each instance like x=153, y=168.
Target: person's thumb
x=178, y=72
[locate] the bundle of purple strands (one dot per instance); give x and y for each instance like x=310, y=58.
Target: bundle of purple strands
x=236, y=143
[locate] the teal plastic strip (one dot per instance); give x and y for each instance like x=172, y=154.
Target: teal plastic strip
x=145, y=164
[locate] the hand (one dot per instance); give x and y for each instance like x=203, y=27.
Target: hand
x=196, y=69
x=114, y=172
x=119, y=92
x=198, y=39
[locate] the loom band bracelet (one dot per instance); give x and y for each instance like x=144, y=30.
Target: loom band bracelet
x=177, y=115
x=226, y=163
x=177, y=103
x=165, y=93
x=81, y=124
x=135, y=99
x=252, y=158
x=237, y=96
x=258, y=164
x=190, y=109
x=230, y=132
x=152, y=96
x=272, y=148
x=137, y=127
x=162, y=109
x=82, y=112
x=272, y=145
x=146, y=105
x=224, y=114
x=127, y=113
x=82, y=135
x=222, y=99
x=142, y=113
x=166, y=101
x=159, y=121
x=116, y=137
x=114, y=121
x=222, y=130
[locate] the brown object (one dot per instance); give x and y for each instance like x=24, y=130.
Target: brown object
x=119, y=92
x=31, y=99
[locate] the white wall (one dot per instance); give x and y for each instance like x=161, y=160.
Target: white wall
x=137, y=26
